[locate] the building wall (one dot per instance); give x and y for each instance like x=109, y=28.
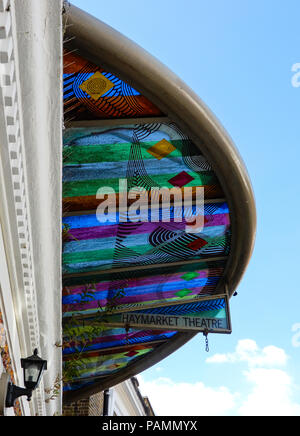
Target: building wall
x=124, y=400
x=92, y=406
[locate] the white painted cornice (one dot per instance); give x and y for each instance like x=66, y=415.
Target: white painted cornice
x=30, y=171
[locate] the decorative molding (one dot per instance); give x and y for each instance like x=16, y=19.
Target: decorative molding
x=11, y=103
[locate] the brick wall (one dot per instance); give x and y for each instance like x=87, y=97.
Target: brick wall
x=92, y=406
x=78, y=408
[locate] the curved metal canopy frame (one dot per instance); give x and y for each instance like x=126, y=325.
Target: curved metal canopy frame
x=104, y=46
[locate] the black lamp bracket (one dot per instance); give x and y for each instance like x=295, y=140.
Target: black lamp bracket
x=9, y=392
x=14, y=392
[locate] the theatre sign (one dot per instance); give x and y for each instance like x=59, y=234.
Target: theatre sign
x=209, y=315
x=158, y=211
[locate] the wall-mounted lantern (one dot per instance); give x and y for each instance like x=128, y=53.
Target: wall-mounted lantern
x=33, y=368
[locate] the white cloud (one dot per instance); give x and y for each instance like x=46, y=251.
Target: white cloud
x=185, y=399
x=271, y=394
x=266, y=388
x=271, y=389
x=248, y=351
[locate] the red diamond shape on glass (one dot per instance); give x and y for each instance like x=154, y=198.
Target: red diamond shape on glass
x=181, y=179
x=197, y=244
x=131, y=353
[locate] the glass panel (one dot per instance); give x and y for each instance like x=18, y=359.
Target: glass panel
x=94, y=365
x=110, y=338
x=138, y=289
x=141, y=157
x=32, y=372
x=110, y=264
x=90, y=93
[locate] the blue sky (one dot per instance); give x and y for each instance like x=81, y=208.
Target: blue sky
x=238, y=56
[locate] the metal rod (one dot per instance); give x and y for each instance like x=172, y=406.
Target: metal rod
x=118, y=122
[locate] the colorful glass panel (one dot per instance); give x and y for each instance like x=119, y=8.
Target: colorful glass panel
x=141, y=288
x=94, y=365
x=117, y=264
x=90, y=93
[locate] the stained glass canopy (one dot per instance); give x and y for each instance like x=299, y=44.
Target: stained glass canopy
x=141, y=276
